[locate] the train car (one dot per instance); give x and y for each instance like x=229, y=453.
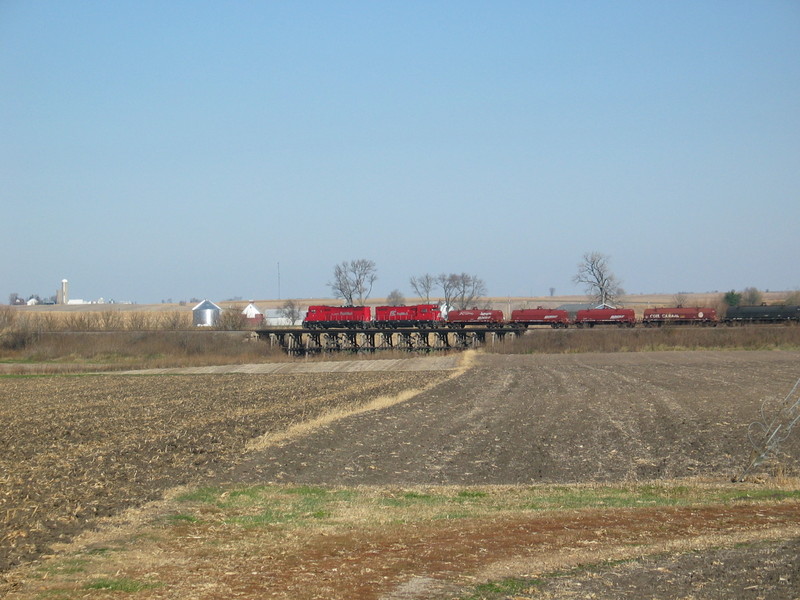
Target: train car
x=679, y=315
x=325, y=317
x=540, y=316
x=462, y=318
x=739, y=315
x=417, y=315
x=623, y=317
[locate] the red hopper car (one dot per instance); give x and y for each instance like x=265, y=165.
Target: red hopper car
x=462, y=318
x=679, y=316
x=540, y=316
x=323, y=317
x=606, y=316
x=418, y=315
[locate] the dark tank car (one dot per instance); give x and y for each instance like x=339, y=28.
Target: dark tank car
x=763, y=314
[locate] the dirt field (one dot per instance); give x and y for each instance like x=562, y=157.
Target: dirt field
x=551, y=419
x=510, y=426
x=76, y=448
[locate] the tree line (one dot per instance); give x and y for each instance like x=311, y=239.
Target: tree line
x=353, y=281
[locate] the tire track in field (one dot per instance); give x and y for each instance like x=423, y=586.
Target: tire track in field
x=544, y=418
x=428, y=363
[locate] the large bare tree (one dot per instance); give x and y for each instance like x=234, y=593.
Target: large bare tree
x=352, y=280
x=461, y=290
x=290, y=311
x=681, y=299
x=751, y=296
x=597, y=278
x=422, y=285
x=395, y=298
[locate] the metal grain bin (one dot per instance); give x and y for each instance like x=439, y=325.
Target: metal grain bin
x=205, y=314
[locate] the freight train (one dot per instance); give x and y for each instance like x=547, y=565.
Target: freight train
x=434, y=316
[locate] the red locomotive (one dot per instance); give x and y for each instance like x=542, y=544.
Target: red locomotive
x=623, y=317
x=540, y=316
x=418, y=315
x=324, y=317
x=679, y=316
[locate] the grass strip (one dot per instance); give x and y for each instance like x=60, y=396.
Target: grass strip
x=268, y=505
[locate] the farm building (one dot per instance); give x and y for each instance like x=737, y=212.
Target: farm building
x=274, y=318
x=205, y=314
x=252, y=315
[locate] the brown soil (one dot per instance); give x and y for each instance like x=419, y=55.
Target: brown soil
x=508, y=420
x=74, y=449
x=552, y=419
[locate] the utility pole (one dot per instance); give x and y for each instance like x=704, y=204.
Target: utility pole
x=279, y=280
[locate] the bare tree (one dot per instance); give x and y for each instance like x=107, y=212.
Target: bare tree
x=751, y=297
x=352, y=280
x=792, y=299
x=231, y=319
x=423, y=285
x=395, y=298
x=461, y=291
x=448, y=284
x=290, y=311
x=470, y=290
x=598, y=280
x=680, y=299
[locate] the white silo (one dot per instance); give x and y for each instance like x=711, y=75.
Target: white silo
x=62, y=297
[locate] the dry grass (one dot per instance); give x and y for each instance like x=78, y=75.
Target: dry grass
x=101, y=351
x=96, y=320
x=28, y=351
x=549, y=341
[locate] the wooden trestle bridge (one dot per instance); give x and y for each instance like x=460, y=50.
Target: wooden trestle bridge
x=412, y=339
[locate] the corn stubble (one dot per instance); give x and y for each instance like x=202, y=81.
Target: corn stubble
x=78, y=448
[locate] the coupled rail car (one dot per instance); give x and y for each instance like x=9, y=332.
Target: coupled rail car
x=741, y=315
x=621, y=317
x=679, y=315
x=462, y=318
x=553, y=317
x=417, y=315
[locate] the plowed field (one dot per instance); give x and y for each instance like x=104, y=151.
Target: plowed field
x=655, y=424
x=75, y=448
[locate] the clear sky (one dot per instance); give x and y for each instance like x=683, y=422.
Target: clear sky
x=153, y=150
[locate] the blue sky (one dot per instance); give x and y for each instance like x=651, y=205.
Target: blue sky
x=155, y=150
